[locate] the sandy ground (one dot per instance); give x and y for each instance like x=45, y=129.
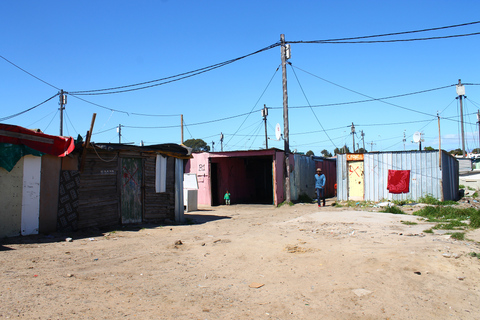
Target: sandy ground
x=246, y=262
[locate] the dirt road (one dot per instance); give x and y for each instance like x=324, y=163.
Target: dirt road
x=246, y=262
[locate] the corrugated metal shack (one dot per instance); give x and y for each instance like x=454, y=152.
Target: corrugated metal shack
x=122, y=184
x=252, y=177
x=302, y=178
x=366, y=176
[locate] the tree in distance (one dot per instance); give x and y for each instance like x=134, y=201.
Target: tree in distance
x=457, y=152
x=342, y=150
x=310, y=153
x=197, y=145
x=325, y=153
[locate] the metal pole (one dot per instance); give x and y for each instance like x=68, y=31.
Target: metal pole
x=285, y=118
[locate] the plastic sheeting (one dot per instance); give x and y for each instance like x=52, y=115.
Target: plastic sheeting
x=10, y=154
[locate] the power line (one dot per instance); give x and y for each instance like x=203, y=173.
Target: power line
x=386, y=34
x=396, y=40
x=25, y=111
x=264, y=90
x=98, y=105
x=359, y=93
x=148, y=84
x=30, y=74
x=309, y=104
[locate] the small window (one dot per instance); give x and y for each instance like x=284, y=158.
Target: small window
x=161, y=174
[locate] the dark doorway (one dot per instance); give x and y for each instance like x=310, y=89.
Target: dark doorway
x=214, y=181
x=248, y=179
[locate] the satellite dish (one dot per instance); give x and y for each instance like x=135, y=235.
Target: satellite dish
x=278, y=131
x=416, y=137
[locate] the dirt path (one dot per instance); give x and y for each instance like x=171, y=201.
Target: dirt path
x=246, y=262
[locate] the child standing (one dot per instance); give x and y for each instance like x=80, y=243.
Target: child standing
x=227, y=198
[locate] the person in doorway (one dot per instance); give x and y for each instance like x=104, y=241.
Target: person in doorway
x=320, y=186
x=227, y=198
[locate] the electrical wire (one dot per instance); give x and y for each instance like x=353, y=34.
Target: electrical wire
x=148, y=84
x=264, y=90
x=30, y=74
x=309, y=104
x=390, y=34
x=29, y=109
x=98, y=105
x=359, y=93
x=389, y=41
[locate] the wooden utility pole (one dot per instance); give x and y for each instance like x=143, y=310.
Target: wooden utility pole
x=87, y=143
x=63, y=101
x=265, y=114
x=221, y=141
x=353, y=135
x=181, y=124
x=461, y=94
x=363, y=140
x=119, y=133
x=283, y=51
x=478, y=121
x=439, y=144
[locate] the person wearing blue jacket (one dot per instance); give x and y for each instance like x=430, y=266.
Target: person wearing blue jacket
x=320, y=186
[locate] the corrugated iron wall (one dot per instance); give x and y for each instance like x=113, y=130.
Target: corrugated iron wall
x=302, y=177
x=426, y=177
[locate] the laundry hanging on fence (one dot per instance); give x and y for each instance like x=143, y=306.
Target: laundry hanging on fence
x=398, y=181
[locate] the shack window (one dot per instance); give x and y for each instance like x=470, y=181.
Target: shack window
x=161, y=174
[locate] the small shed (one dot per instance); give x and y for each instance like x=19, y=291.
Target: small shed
x=400, y=175
x=123, y=184
x=30, y=165
x=252, y=177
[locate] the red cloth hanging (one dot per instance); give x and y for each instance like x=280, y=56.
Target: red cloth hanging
x=398, y=181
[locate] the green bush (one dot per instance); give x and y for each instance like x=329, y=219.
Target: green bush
x=393, y=209
x=458, y=235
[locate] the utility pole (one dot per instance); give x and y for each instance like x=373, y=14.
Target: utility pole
x=461, y=94
x=221, y=141
x=284, y=51
x=353, y=135
x=63, y=101
x=404, y=140
x=181, y=125
x=439, y=144
x=478, y=121
x=213, y=146
x=264, y=115
x=363, y=140
x=371, y=145
x=119, y=130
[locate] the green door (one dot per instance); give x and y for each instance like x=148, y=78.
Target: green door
x=131, y=190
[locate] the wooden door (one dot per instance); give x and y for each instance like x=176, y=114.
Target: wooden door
x=355, y=180
x=131, y=190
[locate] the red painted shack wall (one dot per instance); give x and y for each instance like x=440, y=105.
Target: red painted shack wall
x=329, y=169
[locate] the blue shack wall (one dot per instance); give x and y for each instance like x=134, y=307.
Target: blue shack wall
x=428, y=175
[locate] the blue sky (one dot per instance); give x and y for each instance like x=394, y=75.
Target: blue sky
x=92, y=45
